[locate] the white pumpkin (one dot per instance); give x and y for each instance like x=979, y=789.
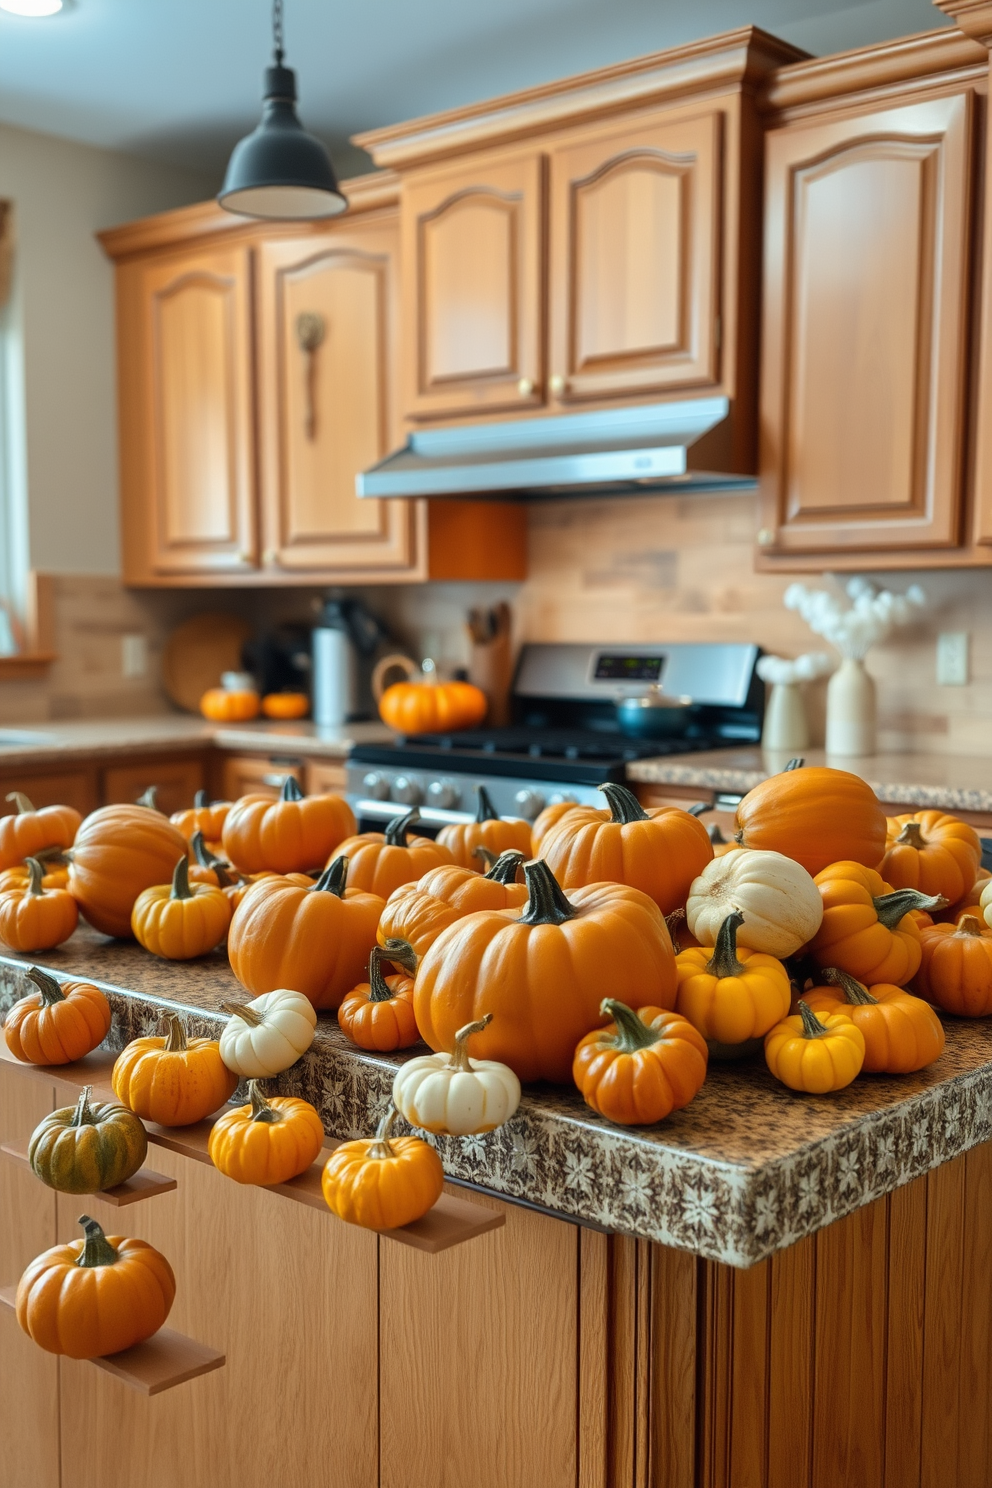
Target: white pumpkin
x=985, y=903
x=265, y=1036
x=454, y=1094
x=781, y=904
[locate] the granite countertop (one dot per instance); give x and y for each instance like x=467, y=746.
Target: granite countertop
x=44, y=743
x=950, y=782
x=746, y=1169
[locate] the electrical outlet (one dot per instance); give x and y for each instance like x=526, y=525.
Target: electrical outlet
x=134, y=655
x=952, y=658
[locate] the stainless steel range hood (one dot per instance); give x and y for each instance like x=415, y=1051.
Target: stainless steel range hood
x=611, y=450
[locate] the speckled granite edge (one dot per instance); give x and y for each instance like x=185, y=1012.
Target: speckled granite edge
x=943, y=797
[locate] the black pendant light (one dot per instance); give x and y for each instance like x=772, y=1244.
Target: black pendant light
x=280, y=171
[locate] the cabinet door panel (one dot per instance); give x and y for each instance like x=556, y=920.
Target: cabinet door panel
x=865, y=281
x=472, y=286
x=176, y=782
x=635, y=259
x=64, y=788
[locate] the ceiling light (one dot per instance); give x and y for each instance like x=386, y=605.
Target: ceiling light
x=33, y=8
x=279, y=171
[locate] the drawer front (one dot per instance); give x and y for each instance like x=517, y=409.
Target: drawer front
x=176, y=782
x=258, y=775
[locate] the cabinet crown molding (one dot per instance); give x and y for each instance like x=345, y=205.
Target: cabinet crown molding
x=973, y=17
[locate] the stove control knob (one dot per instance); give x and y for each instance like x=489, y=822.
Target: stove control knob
x=530, y=803
x=376, y=785
x=407, y=790
x=563, y=798
x=444, y=794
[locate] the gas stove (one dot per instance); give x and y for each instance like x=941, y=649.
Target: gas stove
x=566, y=739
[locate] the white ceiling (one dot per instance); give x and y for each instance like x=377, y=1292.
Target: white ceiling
x=179, y=80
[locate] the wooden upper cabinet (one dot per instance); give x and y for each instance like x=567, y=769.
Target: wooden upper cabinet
x=472, y=287
x=635, y=259
x=864, y=340
x=327, y=320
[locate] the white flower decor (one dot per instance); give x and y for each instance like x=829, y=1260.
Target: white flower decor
x=870, y=616
x=784, y=670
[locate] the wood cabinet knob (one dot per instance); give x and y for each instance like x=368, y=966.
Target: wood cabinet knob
x=271, y=556
x=525, y=387
x=557, y=384
x=245, y=558
x=765, y=537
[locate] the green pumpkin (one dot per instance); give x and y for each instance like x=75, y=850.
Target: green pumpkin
x=88, y=1147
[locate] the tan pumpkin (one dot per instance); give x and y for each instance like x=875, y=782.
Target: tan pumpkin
x=780, y=903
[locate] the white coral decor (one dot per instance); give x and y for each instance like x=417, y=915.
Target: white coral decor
x=869, y=618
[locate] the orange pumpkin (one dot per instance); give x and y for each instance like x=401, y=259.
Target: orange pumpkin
x=313, y=937
x=431, y=706
x=659, y=851
x=205, y=816
x=118, y=851
x=286, y=705
x=378, y=1014
x=207, y=868
x=57, y=1024
x=285, y=836
x=817, y=816
x=956, y=967
x=933, y=852
x=969, y=903
x=178, y=921
x=230, y=704
x=489, y=830
x=174, y=1080
x=641, y=1067
x=382, y=1182
x=53, y=875
x=867, y=929
x=548, y=818
x=731, y=996
x=33, y=919
x=384, y=861
x=902, y=1033
x=543, y=973
x=28, y=832
x=266, y=1141
x=418, y=912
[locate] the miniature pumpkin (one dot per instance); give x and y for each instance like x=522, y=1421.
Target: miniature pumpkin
x=984, y=901
x=431, y=706
x=731, y=995
x=543, y=972
x=179, y=921
x=28, y=832
x=285, y=705
x=95, y=1296
x=313, y=937
x=378, y=1014
x=55, y=874
x=88, y=1147
x=902, y=1033
x=548, y=818
x=57, y=1024
x=932, y=852
x=266, y=1141
x=33, y=918
x=290, y=835
x=642, y=1067
x=118, y=852
x=383, y=1182
x=867, y=929
x=384, y=861
x=969, y=903
x=455, y=1094
x=488, y=830
x=817, y=816
x=956, y=967
x=207, y=868
x=205, y=816
x=266, y=1036
x=659, y=851
x=418, y=912
x=682, y=938
x=173, y=1081
x=230, y=704
x=815, y=1052
x=781, y=904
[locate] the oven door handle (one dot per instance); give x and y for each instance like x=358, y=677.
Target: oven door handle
x=431, y=816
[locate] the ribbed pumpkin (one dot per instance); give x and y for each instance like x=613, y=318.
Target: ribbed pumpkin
x=641, y=1067
x=266, y=1141
x=57, y=1024
x=659, y=851
x=489, y=830
x=731, y=995
x=181, y=920
x=205, y=816
x=382, y=1182
x=780, y=902
x=313, y=937
x=956, y=967
x=969, y=903
x=815, y=1052
x=418, y=912
x=378, y=1014
x=55, y=874
x=902, y=1033
x=867, y=929
x=174, y=1080
x=88, y=1147
x=206, y=867
x=932, y=852
x=431, y=706
x=548, y=818
x=383, y=861
x=27, y=832
x=268, y=1034
x=543, y=972
x=290, y=835
x=118, y=852
x=33, y=918
x=817, y=816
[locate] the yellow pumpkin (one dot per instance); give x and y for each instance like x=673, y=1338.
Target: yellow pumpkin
x=179, y=921
x=384, y=1182
x=815, y=1052
x=266, y=1141
x=173, y=1081
x=731, y=995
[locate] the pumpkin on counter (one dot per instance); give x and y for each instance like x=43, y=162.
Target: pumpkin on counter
x=731, y=996
x=207, y=868
x=641, y=1067
x=969, y=903
x=33, y=918
x=545, y=820
x=817, y=816
x=236, y=701
x=173, y=1081
x=780, y=903
x=956, y=967
x=867, y=928
x=57, y=1024
x=902, y=1033
x=384, y=861
x=268, y=1140
x=55, y=873
x=456, y=1095
x=285, y=705
x=28, y=833
x=418, y=912
x=659, y=851
x=489, y=830
x=205, y=816
x=932, y=852
x=180, y=920
x=88, y=1147
x=815, y=1052
x=268, y=1034
x=431, y=706
x=95, y=1296
x=378, y=1014
x=290, y=835
x=118, y=852
x=382, y=1182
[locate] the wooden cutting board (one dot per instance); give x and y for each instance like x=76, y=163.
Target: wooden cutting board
x=197, y=652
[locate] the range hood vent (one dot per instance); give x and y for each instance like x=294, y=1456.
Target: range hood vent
x=611, y=450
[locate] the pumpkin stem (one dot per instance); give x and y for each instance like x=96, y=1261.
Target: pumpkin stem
x=547, y=904
x=334, y=879
x=148, y=797
x=201, y=800
x=21, y=801
x=260, y=1108
x=243, y=1011
x=180, y=880
x=724, y=961
x=624, y=805
x=291, y=789
x=380, y=1147
x=699, y=808
x=891, y=908
x=398, y=828
x=969, y=925
x=459, y=1059
x=97, y=1249
x=716, y=837
x=83, y=1116
x=794, y=764
x=853, y=990
x=207, y=859
x=175, y=1042
x=51, y=992
x=487, y=811
x=379, y=988
x=912, y=836
x=53, y=856
x=401, y=953
x=35, y=874
x=504, y=869
x=486, y=855
x=631, y=1033
x=812, y=1027
x=673, y=921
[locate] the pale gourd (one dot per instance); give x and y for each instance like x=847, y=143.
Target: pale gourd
x=781, y=904
x=453, y=1094
x=265, y=1036
x=985, y=904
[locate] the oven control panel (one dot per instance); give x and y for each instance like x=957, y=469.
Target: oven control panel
x=379, y=793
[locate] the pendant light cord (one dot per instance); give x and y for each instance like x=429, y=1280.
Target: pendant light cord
x=277, y=30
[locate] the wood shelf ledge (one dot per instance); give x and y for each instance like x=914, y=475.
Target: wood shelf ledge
x=144, y=1184
x=26, y=666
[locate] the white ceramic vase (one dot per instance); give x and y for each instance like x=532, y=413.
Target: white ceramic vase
x=785, y=726
x=851, y=710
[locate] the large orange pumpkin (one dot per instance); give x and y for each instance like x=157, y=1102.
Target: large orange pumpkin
x=867, y=928
x=118, y=851
x=312, y=937
x=548, y=818
x=956, y=967
x=817, y=816
x=59, y=1023
x=418, y=912
x=290, y=835
x=933, y=852
x=489, y=830
x=659, y=851
x=384, y=861
x=28, y=832
x=544, y=973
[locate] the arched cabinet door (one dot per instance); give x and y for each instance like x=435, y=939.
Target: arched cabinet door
x=635, y=262
x=864, y=336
